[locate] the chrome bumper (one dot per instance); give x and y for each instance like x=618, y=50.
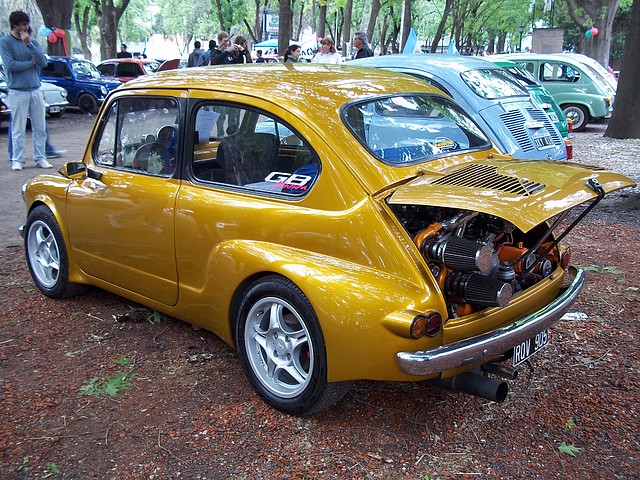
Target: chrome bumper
x=491, y=344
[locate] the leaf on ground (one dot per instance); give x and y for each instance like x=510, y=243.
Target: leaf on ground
x=570, y=449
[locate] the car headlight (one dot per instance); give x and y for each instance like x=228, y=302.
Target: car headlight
x=103, y=89
x=63, y=92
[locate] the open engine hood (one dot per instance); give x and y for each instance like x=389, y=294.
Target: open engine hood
x=524, y=193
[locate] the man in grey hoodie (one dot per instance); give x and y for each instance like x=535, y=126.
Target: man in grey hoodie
x=22, y=57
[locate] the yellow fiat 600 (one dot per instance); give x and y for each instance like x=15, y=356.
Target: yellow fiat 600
x=331, y=223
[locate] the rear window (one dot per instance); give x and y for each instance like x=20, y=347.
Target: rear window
x=493, y=83
x=407, y=129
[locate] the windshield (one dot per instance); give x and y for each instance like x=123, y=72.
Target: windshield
x=85, y=69
x=493, y=83
x=403, y=130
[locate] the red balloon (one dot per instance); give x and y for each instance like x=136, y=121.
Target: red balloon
x=52, y=38
x=59, y=33
x=594, y=31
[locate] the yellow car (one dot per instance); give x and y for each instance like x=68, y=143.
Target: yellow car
x=332, y=224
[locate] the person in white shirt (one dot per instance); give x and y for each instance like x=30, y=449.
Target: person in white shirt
x=327, y=52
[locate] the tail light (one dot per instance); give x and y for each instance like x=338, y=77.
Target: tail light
x=569, y=146
x=607, y=102
x=570, y=124
x=428, y=325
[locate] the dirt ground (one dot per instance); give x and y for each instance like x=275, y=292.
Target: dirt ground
x=186, y=410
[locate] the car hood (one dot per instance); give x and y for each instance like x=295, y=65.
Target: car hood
x=524, y=193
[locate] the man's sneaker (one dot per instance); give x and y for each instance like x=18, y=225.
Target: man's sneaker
x=43, y=164
x=55, y=153
x=16, y=166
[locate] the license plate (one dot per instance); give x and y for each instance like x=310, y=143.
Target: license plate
x=542, y=142
x=527, y=348
x=553, y=117
x=54, y=109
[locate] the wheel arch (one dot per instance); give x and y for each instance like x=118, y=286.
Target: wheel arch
x=75, y=274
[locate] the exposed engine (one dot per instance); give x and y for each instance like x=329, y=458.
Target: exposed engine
x=478, y=260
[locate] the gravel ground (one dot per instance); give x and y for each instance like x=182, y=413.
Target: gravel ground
x=573, y=412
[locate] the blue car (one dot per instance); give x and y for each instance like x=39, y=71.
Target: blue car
x=490, y=94
x=85, y=85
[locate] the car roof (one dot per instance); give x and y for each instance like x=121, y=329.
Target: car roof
x=427, y=62
x=294, y=85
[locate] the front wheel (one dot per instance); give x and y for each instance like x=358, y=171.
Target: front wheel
x=282, y=349
x=578, y=115
x=87, y=104
x=47, y=255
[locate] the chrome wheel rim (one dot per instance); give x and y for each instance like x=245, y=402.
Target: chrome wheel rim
x=279, y=347
x=43, y=254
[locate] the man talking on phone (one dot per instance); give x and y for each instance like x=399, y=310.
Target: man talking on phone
x=23, y=58
x=225, y=53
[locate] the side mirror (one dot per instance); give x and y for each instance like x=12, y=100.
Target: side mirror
x=71, y=169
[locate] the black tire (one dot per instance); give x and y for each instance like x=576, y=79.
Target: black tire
x=87, y=104
x=578, y=114
x=283, y=354
x=56, y=115
x=47, y=255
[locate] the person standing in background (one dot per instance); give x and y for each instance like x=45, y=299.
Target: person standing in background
x=205, y=59
x=361, y=44
x=123, y=52
x=292, y=54
x=327, y=52
x=23, y=58
x=194, y=57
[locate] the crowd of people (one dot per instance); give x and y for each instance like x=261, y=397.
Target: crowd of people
x=224, y=52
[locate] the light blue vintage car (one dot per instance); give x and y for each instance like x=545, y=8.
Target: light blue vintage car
x=500, y=105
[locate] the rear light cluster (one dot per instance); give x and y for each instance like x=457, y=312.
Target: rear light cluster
x=426, y=325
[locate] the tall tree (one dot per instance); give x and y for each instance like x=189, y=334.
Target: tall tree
x=595, y=13
x=284, y=28
x=81, y=16
x=56, y=14
x=108, y=16
x=346, y=28
x=625, y=120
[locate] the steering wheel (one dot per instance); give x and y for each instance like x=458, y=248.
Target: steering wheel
x=149, y=158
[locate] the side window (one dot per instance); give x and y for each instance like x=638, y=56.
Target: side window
x=107, y=70
x=141, y=135
x=239, y=147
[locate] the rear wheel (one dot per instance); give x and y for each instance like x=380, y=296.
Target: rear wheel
x=578, y=115
x=47, y=255
x=282, y=348
x=87, y=104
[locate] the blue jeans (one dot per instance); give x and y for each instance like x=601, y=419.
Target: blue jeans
x=23, y=104
x=48, y=146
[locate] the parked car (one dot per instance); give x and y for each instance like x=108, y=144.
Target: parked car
x=581, y=96
x=360, y=227
x=125, y=69
x=500, y=105
x=86, y=88
x=607, y=78
x=540, y=95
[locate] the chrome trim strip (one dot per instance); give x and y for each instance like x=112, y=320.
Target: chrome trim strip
x=491, y=344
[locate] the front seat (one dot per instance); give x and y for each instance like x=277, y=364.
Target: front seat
x=248, y=158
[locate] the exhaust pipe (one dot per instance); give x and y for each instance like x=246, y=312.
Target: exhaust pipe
x=478, y=385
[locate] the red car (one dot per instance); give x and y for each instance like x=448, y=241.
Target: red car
x=125, y=69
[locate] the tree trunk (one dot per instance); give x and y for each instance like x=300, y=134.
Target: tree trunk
x=373, y=18
x=108, y=16
x=82, y=28
x=322, y=21
x=284, y=29
x=595, y=13
x=443, y=22
x=406, y=22
x=346, y=28
x=625, y=120
x=57, y=14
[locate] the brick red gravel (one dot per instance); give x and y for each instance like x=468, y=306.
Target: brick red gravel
x=191, y=414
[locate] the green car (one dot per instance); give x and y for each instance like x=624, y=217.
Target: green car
x=582, y=97
x=540, y=94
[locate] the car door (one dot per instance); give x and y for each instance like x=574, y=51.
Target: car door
x=121, y=216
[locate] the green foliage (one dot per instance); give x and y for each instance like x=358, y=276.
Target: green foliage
x=52, y=469
x=123, y=360
x=569, y=424
x=111, y=386
x=570, y=449
x=152, y=316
